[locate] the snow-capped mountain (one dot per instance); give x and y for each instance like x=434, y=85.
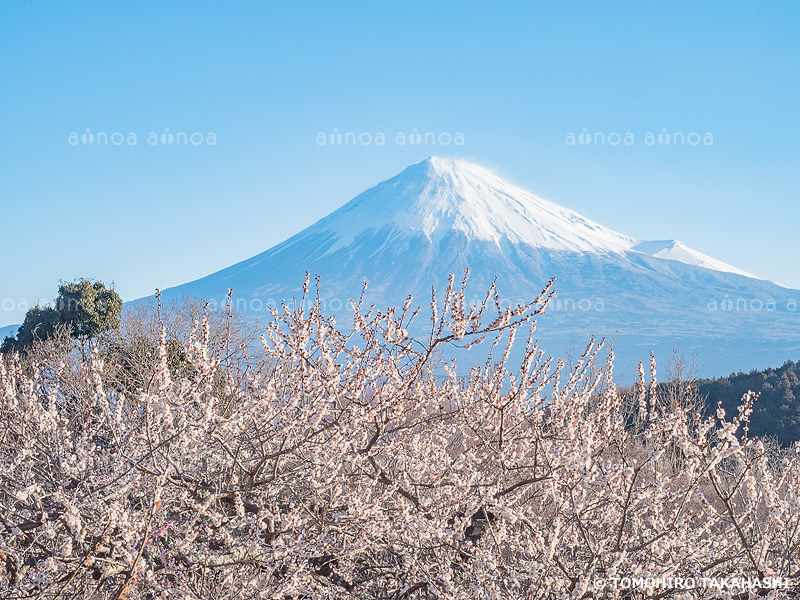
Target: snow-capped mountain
x=440, y=216
x=440, y=196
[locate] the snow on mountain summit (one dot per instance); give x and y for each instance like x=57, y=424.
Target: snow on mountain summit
x=439, y=195
x=407, y=234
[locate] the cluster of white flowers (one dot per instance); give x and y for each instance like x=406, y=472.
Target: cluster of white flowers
x=349, y=467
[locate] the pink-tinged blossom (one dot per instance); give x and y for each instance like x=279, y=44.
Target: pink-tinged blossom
x=350, y=464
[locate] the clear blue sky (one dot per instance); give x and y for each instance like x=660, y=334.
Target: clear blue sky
x=265, y=78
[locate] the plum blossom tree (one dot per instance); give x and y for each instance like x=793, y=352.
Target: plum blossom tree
x=353, y=465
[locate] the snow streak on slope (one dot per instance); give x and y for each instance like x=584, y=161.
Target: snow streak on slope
x=675, y=250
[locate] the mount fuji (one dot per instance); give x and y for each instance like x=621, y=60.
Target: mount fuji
x=441, y=216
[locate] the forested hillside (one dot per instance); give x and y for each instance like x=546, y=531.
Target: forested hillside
x=776, y=412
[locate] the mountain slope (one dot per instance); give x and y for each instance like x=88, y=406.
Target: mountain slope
x=441, y=216
x=8, y=331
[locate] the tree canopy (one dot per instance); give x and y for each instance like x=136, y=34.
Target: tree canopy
x=88, y=308
x=776, y=413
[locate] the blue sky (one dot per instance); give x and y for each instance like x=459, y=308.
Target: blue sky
x=266, y=78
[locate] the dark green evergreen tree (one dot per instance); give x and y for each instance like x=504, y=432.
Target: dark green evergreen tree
x=39, y=324
x=87, y=307
x=776, y=413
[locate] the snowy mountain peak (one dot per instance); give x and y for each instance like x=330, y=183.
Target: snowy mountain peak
x=439, y=196
x=441, y=216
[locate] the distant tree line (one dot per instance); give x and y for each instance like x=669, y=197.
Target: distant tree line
x=776, y=413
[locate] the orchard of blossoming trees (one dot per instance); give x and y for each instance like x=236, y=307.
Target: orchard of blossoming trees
x=352, y=462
